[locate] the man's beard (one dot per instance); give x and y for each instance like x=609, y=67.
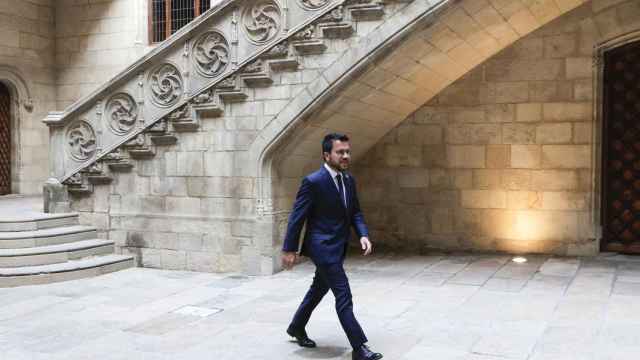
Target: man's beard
x=339, y=166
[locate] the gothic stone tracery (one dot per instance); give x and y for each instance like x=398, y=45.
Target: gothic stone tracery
x=166, y=85
x=81, y=140
x=313, y=4
x=262, y=21
x=211, y=54
x=122, y=114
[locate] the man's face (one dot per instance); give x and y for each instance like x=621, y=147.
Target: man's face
x=340, y=155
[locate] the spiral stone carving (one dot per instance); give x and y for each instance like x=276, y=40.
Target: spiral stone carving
x=211, y=54
x=166, y=85
x=81, y=140
x=122, y=113
x=313, y=4
x=262, y=21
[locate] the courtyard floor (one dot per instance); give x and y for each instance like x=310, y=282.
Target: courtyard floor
x=411, y=307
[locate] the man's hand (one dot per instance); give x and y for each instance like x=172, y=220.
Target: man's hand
x=289, y=259
x=366, y=245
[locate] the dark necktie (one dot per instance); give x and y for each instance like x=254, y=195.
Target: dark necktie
x=341, y=190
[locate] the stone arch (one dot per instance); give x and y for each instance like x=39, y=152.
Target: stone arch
x=410, y=59
x=22, y=104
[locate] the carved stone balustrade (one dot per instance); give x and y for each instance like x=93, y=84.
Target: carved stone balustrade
x=191, y=72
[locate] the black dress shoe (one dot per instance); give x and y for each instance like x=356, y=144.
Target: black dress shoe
x=363, y=353
x=301, y=337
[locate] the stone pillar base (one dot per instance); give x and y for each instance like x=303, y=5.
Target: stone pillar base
x=55, y=196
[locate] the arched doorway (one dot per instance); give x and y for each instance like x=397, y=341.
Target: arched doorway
x=5, y=140
x=621, y=150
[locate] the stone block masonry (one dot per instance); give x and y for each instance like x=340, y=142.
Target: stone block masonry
x=519, y=127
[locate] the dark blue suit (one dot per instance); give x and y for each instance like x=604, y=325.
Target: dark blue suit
x=319, y=203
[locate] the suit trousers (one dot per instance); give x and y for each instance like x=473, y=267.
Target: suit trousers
x=331, y=276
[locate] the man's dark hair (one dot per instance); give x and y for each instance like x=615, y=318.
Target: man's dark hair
x=327, y=142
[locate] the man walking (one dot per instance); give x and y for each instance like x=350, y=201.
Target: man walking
x=328, y=202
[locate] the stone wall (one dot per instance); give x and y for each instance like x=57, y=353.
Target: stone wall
x=95, y=40
x=501, y=159
x=26, y=55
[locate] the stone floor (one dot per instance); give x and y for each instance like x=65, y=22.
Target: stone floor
x=20, y=206
x=428, y=307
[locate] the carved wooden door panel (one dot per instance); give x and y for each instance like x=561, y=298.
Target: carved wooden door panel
x=5, y=140
x=621, y=150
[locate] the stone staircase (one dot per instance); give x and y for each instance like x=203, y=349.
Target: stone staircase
x=45, y=248
x=338, y=23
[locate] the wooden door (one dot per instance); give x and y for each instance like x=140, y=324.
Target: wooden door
x=5, y=140
x=621, y=150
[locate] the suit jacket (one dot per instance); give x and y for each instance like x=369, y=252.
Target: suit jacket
x=328, y=221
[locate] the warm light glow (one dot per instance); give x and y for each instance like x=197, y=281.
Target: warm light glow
x=519, y=259
x=528, y=225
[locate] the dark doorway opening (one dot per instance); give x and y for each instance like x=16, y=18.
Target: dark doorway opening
x=5, y=140
x=621, y=150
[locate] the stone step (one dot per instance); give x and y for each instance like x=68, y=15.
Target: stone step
x=209, y=110
x=80, y=190
x=309, y=47
x=164, y=139
x=135, y=142
x=54, y=254
x=45, y=237
x=120, y=166
x=142, y=153
x=39, y=221
x=99, y=179
x=367, y=12
x=232, y=96
x=257, y=80
x=185, y=126
x=91, y=170
x=70, y=270
x=289, y=64
x=340, y=30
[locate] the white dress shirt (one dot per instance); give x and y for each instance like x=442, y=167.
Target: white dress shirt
x=335, y=181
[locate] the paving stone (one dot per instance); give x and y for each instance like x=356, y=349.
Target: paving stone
x=626, y=288
x=450, y=266
x=567, y=340
x=513, y=340
x=596, y=285
x=471, y=277
x=547, y=283
x=572, y=311
x=420, y=352
x=504, y=284
x=622, y=309
x=29, y=305
x=429, y=279
x=560, y=267
x=631, y=276
x=594, y=266
x=517, y=271
x=163, y=323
